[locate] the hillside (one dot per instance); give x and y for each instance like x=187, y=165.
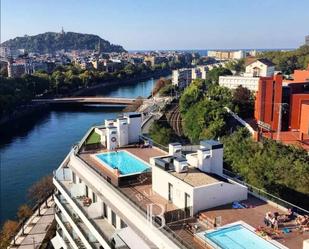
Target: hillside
x=50, y=42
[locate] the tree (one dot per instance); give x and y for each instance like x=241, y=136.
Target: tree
x=41, y=190
x=192, y=94
x=160, y=134
x=9, y=229
x=288, y=61
x=212, y=76
x=162, y=82
x=278, y=169
x=24, y=212
x=243, y=102
x=236, y=65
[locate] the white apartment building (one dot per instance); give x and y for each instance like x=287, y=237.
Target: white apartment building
x=119, y=193
x=227, y=55
x=204, y=70
x=260, y=68
x=196, y=73
x=232, y=82
x=182, y=77
x=250, y=79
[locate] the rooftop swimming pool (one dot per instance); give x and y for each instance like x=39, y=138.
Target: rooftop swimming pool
x=236, y=237
x=124, y=161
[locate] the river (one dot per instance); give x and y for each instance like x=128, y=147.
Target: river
x=35, y=146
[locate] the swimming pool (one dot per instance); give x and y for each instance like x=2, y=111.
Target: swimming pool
x=236, y=237
x=124, y=161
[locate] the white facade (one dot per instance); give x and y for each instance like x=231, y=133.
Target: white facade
x=237, y=55
x=232, y=82
x=120, y=132
x=196, y=73
x=194, y=189
x=182, y=77
x=250, y=79
x=204, y=70
x=260, y=69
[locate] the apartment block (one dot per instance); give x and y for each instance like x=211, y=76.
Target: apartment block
x=117, y=189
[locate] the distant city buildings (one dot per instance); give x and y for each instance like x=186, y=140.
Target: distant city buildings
x=154, y=60
x=18, y=68
x=307, y=40
x=227, y=55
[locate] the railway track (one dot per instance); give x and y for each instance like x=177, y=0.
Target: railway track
x=174, y=120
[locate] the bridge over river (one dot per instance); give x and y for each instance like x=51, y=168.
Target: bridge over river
x=88, y=101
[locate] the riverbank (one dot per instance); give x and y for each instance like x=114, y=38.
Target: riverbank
x=34, y=146
x=133, y=80
x=37, y=108
x=24, y=111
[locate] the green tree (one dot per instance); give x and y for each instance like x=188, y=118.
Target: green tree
x=212, y=76
x=243, y=102
x=160, y=134
x=192, y=94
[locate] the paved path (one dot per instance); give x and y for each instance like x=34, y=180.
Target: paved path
x=35, y=231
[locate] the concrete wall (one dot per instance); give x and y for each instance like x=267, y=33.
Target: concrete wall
x=134, y=130
x=160, y=180
x=202, y=197
x=217, y=194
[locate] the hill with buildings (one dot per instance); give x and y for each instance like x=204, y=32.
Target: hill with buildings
x=50, y=42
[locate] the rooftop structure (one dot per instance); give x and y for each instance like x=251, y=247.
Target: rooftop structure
x=115, y=189
x=250, y=79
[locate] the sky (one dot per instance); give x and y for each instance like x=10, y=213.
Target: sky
x=165, y=24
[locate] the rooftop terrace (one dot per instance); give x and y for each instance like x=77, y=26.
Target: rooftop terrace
x=141, y=194
x=253, y=215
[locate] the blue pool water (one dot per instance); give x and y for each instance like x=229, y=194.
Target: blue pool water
x=238, y=237
x=124, y=162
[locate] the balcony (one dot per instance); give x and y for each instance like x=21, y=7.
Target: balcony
x=75, y=222
x=89, y=219
x=68, y=232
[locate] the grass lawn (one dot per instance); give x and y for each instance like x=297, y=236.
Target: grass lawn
x=94, y=138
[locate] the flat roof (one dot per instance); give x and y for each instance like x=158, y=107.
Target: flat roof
x=195, y=177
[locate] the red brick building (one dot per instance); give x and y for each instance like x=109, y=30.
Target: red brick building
x=267, y=102
x=301, y=75
x=283, y=110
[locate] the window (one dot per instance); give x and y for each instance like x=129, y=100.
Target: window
x=170, y=192
x=187, y=204
x=123, y=224
x=74, y=177
x=80, y=180
x=113, y=219
x=87, y=191
x=94, y=197
x=104, y=210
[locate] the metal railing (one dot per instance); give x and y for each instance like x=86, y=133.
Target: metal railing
x=263, y=194
x=107, y=240
x=22, y=223
x=153, y=143
x=68, y=228
x=70, y=213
